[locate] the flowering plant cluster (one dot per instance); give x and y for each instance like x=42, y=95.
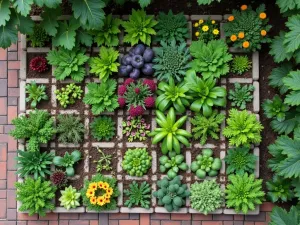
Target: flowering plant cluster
x=135, y=128
x=207, y=30
x=137, y=95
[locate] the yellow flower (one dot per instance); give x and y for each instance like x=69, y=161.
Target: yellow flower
x=213, y=22
x=216, y=32
x=93, y=186
x=93, y=200
x=90, y=193
x=101, y=200
x=263, y=15
x=231, y=18
x=205, y=28
x=244, y=7
x=201, y=21
x=197, y=34
x=109, y=191
x=196, y=25
x=105, y=186
x=100, y=184
x=241, y=35
x=107, y=200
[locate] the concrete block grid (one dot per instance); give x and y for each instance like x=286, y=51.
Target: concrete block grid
x=9, y=71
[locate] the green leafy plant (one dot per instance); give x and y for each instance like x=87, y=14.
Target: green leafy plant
x=171, y=27
x=241, y=95
x=138, y=195
x=205, y=94
x=282, y=217
x=171, y=95
x=171, y=61
x=292, y=39
x=205, y=164
x=277, y=75
x=172, y=164
x=139, y=28
x=207, y=126
x=37, y=128
x=288, y=6
x=206, y=196
x=169, y=132
x=69, y=198
x=142, y=3
x=104, y=161
x=105, y=64
x=240, y=161
x=207, y=2
x=291, y=81
x=210, y=59
x=70, y=129
x=68, y=63
x=108, y=34
x=35, y=196
x=34, y=163
x=242, y=128
x=59, y=178
x=244, y=192
x=207, y=30
x=102, y=96
x=279, y=189
x=136, y=162
x=275, y=108
x=135, y=128
x=103, y=128
x=171, y=193
x=39, y=36
x=36, y=93
x=248, y=29
x=68, y=95
x=240, y=64
x=68, y=161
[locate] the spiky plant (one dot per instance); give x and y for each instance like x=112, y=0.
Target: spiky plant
x=240, y=64
x=139, y=195
x=36, y=93
x=59, y=178
x=103, y=128
x=241, y=95
x=69, y=198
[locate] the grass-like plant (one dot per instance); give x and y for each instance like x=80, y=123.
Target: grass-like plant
x=36, y=93
x=138, y=195
x=241, y=95
x=103, y=128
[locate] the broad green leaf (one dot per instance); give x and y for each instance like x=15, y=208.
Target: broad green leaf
x=287, y=5
x=4, y=12
x=292, y=38
x=48, y=3
x=23, y=6
x=50, y=22
x=280, y=216
x=24, y=24
x=83, y=37
x=8, y=34
x=278, y=50
x=144, y=3
x=277, y=76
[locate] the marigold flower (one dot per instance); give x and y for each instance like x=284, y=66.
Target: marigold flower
x=241, y=35
x=263, y=32
x=244, y=7
x=93, y=200
x=231, y=18
x=196, y=25
x=246, y=44
x=90, y=193
x=197, y=34
x=216, y=31
x=201, y=21
x=233, y=38
x=213, y=22
x=205, y=28
x=263, y=15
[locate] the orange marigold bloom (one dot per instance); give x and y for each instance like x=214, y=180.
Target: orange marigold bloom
x=241, y=35
x=244, y=7
x=233, y=38
x=231, y=18
x=263, y=15
x=263, y=32
x=246, y=44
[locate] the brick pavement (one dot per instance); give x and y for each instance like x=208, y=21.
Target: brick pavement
x=9, y=95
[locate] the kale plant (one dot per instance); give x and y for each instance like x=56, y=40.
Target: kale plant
x=103, y=128
x=275, y=108
x=36, y=93
x=241, y=95
x=139, y=195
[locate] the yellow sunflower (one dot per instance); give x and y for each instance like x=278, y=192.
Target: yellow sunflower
x=109, y=191
x=101, y=201
x=93, y=200
x=100, y=184
x=197, y=34
x=90, y=193
x=93, y=186
x=213, y=22
x=196, y=25
x=205, y=28
x=216, y=31
x=201, y=21
x=105, y=186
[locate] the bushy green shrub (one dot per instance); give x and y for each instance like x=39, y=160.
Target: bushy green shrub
x=279, y=189
x=36, y=93
x=68, y=95
x=138, y=195
x=69, y=198
x=172, y=164
x=136, y=162
x=275, y=108
x=39, y=36
x=103, y=128
x=241, y=95
x=68, y=161
x=240, y=64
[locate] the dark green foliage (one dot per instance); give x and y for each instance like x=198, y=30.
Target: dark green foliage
x=207, y=2
x=277, y=75
x=240, y=64
x=34, y=163
x=36, y=93
x=70, y=129
x=171, y=27
x=134, y=97
x=275, y=108
x=103, y=128
x=68, y=161
x=291, y=81
x=280, y=216
x=172, y=164
x=35, y=196
x=279, y=189
x=171, y=193
x=139, y=195
x=39, y=36
x=240, y=161
x=37, y=128
x=241, y=95
x=287, y=6
x=207, y=126
x=68, y=95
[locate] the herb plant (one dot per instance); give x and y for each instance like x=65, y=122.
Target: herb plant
x=240, y=161
x=37, y=128
x=35, y=196
x=275, y=108
x=279, y=189
x=106, y=64
x=103, y=128
x=205, y=164
x=207, y=2
x=171, y=27
x=70, y=129
x=68, y=161
x=104, y=161
x=102, y=96
x=169, y=132
x=172, y=164
x=69, y=198
x=139, y=195
x=171, y=61
x=206, y=196
x=205, y=94
x=240, y=64
x=171, y=193
x=171, y=95
x=39, y=36
x=34, y=163
x=282, y=217
x=136, y=162
x=207, y=30
x=135, y=128
x=211, y=59
x=38, y=64
x=36, y=93
x=68, y=63
x=59, y=178
x=68, y=95
x=242, y=128
x=241, y=95
x=139, y=28
x=207, y=126
x=244, y=192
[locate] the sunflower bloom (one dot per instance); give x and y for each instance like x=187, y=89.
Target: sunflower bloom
x=101, y=201
x=105, y=186
x=93, y=186
x=109, y=191
x=233, y=38
x=231, y=18
x=100, y=184
x=263, y=33
x=93, y=200
x=246, y=44
x=90, y=193
x=216, y=31
x=107, y=200
x=205, y=28
x=241, y=35
x=244, y=7
x=263, y=15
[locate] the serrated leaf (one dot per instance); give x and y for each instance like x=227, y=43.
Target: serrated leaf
x=287, y=5
x=278, y=50
x=24, y=24
x=48, y=3
x=4, y=12
x=50, y=22
x=280, y=216
x=83, y=37
x=278, y=74
x=292, y=38
x=23, y=6
x=8, y=34
x=144, y=3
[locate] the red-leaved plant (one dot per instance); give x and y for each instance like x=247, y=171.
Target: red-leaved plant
x=38, y=64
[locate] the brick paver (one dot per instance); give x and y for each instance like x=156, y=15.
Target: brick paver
x=9, y=96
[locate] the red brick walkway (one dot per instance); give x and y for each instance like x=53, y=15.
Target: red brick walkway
x=9, y=95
